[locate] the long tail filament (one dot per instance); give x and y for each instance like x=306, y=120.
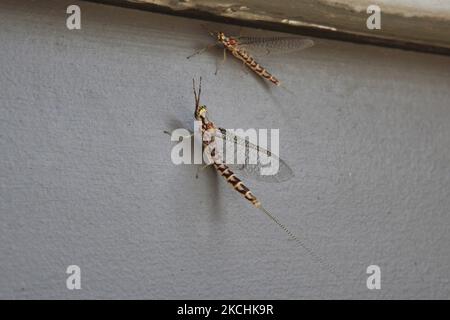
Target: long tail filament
x=313, y=255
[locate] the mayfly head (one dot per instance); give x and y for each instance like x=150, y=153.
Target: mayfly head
x=200, y=110
x=220, y=36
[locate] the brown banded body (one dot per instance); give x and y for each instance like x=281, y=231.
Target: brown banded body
x=212, y=132
x=232, y=44
x=236, y=183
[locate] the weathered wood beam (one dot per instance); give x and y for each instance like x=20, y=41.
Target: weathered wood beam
x=425, y=28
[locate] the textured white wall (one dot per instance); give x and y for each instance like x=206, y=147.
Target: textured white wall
x=86, y=176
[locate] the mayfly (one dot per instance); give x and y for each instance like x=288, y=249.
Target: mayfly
x=209, y=129
x=238, y=48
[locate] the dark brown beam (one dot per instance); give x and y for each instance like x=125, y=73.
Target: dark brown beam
x=313, y=18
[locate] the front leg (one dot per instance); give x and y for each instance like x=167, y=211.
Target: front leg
x=220, y=64
x=202, y=50
x=184, y=137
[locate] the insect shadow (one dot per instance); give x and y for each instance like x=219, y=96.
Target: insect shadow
x=207, y=177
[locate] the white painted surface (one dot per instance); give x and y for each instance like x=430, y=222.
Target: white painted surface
x=86, y=177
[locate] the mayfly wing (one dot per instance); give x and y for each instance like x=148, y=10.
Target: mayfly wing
x=249, y=168
x=274, y=45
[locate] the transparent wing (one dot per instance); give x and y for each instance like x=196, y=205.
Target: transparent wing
x=274, y=45
x=252, y=160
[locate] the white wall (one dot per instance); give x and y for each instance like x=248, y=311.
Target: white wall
x=86, y=176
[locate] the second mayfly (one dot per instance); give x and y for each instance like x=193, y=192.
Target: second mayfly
x=238, y=48
x=211, y=135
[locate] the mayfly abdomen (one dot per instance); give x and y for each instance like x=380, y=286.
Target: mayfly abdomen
x=249, y=61
x=255, y=66
x=236, y=183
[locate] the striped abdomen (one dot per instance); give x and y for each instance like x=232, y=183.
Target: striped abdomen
x=241, y=54
x=237, y=184
x=224, y=170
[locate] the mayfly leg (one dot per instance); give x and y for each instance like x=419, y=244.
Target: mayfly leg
x=222, y=62
x=183, y=137
x=208, y=47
